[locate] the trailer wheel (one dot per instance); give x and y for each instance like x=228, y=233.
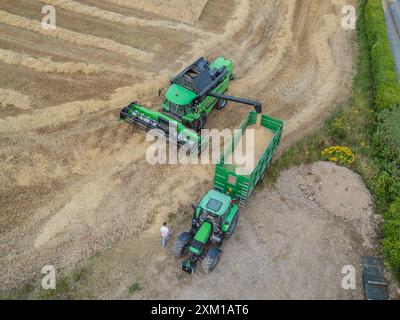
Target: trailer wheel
x=181, y=244
x=211, y=259
x=221, y=104
x=232, y=227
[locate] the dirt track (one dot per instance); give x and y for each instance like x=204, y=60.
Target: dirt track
x=75, y=181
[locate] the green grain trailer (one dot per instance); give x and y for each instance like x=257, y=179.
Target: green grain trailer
x=216, y=216
x=239, y=187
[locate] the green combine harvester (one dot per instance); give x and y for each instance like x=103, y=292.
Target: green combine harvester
x=193, y=94
x=216, y=217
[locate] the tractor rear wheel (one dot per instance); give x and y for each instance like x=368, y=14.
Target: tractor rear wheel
x=181, y=244
x=211, y=259
x=232, y=226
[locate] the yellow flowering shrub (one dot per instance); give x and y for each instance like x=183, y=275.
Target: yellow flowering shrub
x=339, y=155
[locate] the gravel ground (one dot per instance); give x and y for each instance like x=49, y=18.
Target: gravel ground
x=292, y=242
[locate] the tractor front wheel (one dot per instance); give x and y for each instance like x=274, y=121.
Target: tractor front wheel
x=211, y=259
x=181, y=244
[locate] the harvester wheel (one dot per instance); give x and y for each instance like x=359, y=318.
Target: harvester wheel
x=181, y=244
x=211, y=259
x=221, y=104
x=232, y=227
x=201, y=123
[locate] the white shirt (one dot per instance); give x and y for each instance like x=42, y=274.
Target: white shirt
x=164, y=231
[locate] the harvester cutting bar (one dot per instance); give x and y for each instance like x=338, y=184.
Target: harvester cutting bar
x=173, y=130
x=134, y=117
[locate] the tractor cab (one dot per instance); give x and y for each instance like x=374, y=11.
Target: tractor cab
x=213, y=208
x=214, y=219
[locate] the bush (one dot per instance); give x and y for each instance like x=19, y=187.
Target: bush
x=391, y=229
x=386, y=85
x=387, y=146
x=340, y=155
x=391, y=237
x=394, y=211
x=387, y=137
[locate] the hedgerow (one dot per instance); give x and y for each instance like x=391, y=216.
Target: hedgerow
x=386, y=85
x=391, y=237
x=387, y=137
x=386, y=140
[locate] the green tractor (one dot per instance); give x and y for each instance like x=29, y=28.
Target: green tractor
x=193, y=94
x=214, y=219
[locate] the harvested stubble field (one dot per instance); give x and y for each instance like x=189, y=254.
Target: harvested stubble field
x=75, y=182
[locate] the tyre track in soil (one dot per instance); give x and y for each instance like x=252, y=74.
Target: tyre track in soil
x=74, y=37
x=112, y=16
x=102, y=189
x=50, y=66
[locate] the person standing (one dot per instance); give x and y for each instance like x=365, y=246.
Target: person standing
x=164, y=234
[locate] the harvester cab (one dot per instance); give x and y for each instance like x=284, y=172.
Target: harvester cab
x=214, y=219
x=187, y=98
x=191, y=97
